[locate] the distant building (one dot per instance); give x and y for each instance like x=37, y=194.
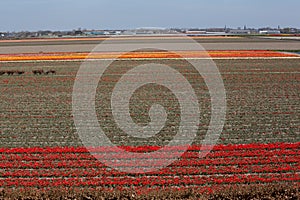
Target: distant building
x=290, y=30
x=78, y=32
x=266, y=32
x=240, y=32
x=195, y=33
x=99, y=33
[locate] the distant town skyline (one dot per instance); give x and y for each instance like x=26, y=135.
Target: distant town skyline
x=34, y=15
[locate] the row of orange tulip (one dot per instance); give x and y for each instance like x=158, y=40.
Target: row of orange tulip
x=132, y=55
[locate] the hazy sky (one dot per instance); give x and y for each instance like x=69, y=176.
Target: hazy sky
x=16, y=15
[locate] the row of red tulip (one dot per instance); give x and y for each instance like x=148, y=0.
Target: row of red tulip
x=171, y=170
x=167, y=155
x=151, y=148
x=149, y=180
x=90, y=163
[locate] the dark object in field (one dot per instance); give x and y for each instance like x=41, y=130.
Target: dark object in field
x=20, y=72
x=38, y=71
x=10, y=73
x=50, y=72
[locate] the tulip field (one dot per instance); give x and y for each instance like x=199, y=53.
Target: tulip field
x=259, y=145
x=227, y=164
x=142, y=55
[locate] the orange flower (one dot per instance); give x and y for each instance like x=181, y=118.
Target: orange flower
x=133, y=55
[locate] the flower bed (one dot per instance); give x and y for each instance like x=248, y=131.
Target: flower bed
x=144, y=55
x=70, y=166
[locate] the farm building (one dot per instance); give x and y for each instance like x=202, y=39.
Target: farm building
x=269, y=32
x=240, y=32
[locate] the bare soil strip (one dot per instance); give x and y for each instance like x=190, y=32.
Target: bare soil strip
x=88, y=44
